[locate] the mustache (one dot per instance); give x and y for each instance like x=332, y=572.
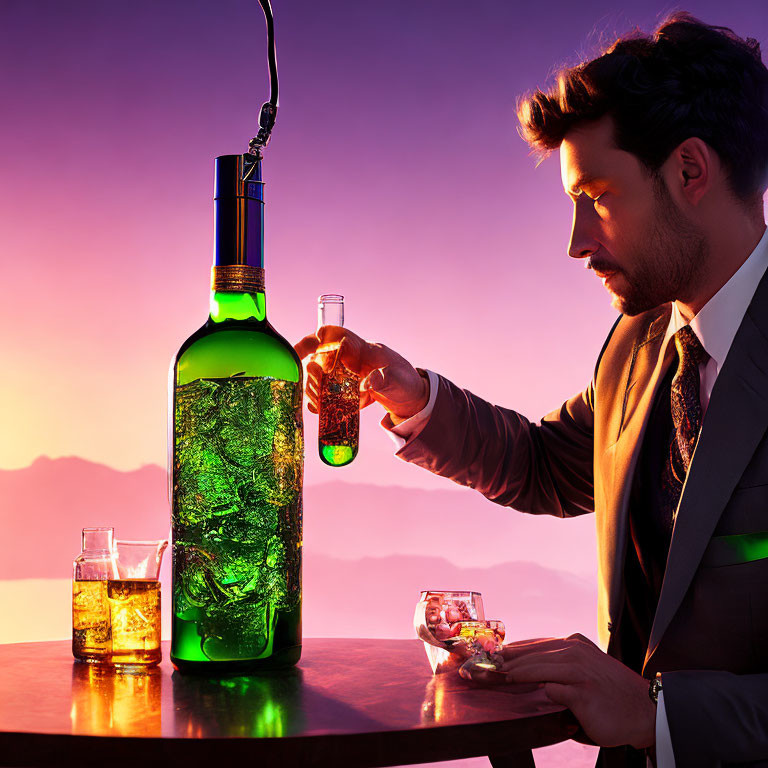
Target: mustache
x=598, y=265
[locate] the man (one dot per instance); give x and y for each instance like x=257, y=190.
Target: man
x=664, y=150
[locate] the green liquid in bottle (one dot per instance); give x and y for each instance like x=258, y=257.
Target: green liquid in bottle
x=237, y=482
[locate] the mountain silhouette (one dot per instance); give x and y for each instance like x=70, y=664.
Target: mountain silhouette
x=376, y=597
x=44, y=506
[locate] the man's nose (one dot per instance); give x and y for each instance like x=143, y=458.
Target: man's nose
x=583, y=243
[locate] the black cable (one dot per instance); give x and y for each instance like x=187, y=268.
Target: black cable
x=268, y=112
x=271, y=53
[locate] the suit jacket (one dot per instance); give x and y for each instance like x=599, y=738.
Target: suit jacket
x=710, y=632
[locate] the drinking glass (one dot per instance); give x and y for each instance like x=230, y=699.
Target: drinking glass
x=436, y=611
x=92, y=568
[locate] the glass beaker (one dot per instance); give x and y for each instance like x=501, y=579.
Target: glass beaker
x=134, y=603
x=338, y=403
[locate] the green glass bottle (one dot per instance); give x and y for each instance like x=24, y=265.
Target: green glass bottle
x=236, y=453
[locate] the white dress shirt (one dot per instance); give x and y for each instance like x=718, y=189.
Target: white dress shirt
x=715, y=325
x=719, y=319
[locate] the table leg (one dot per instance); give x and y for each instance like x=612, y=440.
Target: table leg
x=516, y=760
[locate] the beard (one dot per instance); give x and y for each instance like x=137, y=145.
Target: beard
x=668, y=264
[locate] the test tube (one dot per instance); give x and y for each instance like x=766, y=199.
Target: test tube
x=339, y=402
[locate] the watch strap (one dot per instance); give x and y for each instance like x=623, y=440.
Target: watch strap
x=654, y=688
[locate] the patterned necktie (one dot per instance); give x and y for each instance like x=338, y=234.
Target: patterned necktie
x=685, y=401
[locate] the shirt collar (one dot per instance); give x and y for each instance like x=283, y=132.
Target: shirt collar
x=717, y=321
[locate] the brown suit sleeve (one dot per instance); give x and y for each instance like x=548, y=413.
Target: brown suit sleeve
x=544, y=468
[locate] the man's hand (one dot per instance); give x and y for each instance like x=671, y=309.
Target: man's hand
x=609, y=700
x=386, y=377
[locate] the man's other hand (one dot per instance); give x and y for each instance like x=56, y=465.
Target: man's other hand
x=609, y=700
x=385, y=376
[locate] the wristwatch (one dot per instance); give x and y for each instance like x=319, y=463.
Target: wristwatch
x=655, y=688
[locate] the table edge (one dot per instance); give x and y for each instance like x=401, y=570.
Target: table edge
x=356, y=750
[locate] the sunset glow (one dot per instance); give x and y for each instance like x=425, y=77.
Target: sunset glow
x=395, y=176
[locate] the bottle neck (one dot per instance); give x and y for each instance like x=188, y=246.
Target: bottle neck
x=237, y=279
x=238, y=305
x=98, y=540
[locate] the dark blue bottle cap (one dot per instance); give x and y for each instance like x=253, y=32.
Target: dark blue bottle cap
x=238, y=212
x=230, y=172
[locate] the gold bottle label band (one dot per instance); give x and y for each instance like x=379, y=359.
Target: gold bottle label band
x=238, y=277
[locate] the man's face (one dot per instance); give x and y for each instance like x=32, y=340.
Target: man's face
x=625, y=223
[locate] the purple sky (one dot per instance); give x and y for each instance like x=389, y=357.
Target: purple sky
x=395, y=176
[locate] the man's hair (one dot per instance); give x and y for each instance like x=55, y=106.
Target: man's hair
x=687, y=79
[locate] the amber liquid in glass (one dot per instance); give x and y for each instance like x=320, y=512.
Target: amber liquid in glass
x=338, y=409
x=116, y=621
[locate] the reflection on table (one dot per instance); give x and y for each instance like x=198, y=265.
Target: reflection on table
x=105, y=700
x=448, y=700
x=267, y=705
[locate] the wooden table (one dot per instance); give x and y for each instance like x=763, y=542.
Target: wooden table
x=348, y=703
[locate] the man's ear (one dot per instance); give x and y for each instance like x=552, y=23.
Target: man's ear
x=691, y=169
